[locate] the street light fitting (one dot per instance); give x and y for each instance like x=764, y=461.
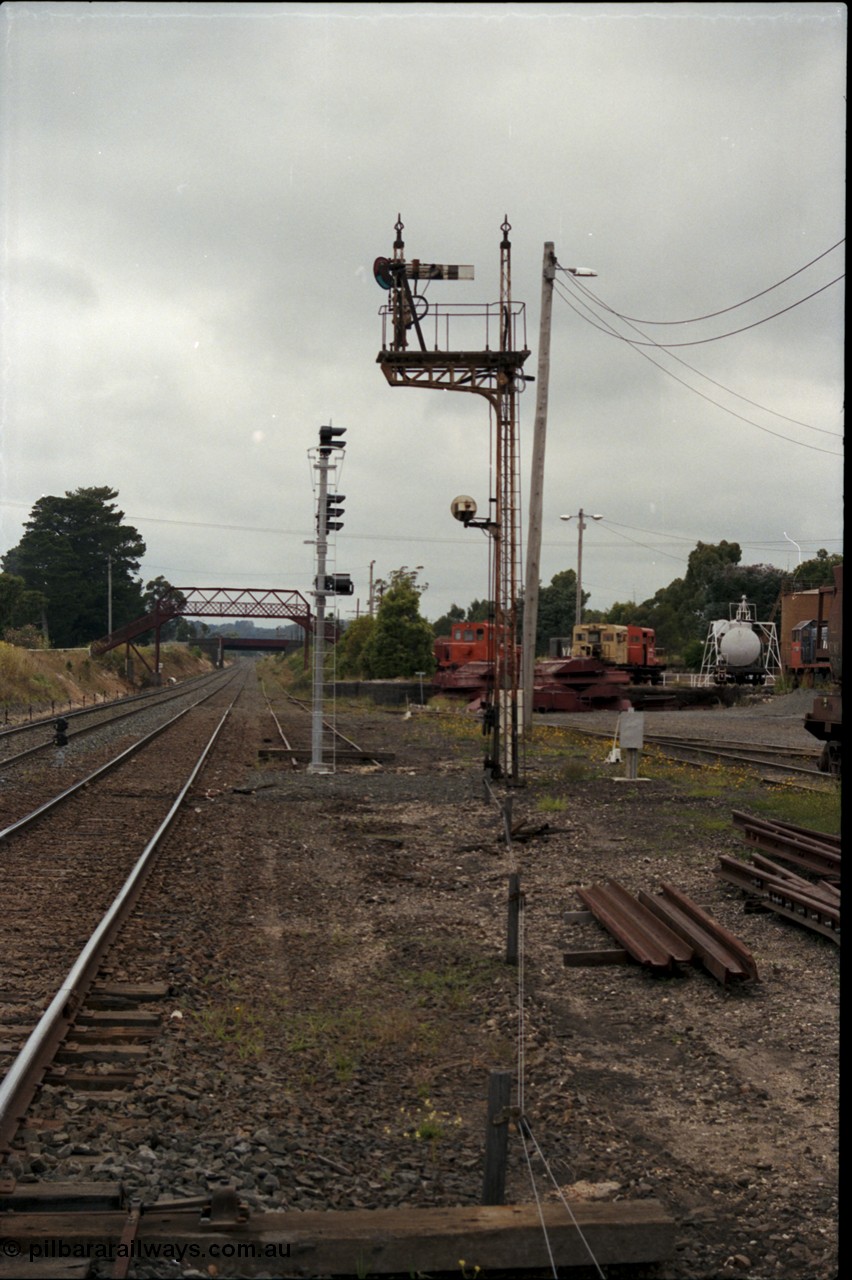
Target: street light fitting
x=581, y=271
x=580, y=517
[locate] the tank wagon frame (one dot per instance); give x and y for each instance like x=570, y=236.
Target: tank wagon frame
x=740, y=649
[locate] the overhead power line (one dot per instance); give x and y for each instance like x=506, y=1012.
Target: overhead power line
x=755, y=405
x=606, y=328
x=712, y=314
x=699, y=342
x=654, y=550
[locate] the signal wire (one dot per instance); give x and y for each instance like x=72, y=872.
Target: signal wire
x=526, y=1130
x=523, y=1125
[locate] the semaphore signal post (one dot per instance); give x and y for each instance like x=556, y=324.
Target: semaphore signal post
x=421, y=347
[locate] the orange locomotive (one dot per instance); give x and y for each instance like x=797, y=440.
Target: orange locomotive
x=467, y=642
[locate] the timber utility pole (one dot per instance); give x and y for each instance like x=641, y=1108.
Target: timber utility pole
x=495, y=372
x=548, y=274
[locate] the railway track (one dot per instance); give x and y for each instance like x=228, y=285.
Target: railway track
x=36, y=775
x=770, y=762
x=85, y=843
x=279, y=903
x=295, y=744
x=38, y=737
x=72, y=867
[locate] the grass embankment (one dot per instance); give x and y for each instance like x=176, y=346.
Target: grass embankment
x=34, y=681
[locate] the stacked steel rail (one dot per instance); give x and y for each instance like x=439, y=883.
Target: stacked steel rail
x=660, y=931
x=809, y=894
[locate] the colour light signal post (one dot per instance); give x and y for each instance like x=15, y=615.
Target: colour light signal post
x=329, y=511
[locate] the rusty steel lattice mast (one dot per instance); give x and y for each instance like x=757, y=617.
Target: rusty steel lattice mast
x=495, y=372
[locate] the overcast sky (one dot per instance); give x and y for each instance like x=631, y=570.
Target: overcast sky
x=194, y=198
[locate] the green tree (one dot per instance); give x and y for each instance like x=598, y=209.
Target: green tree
x=817, y=572
x=21, y=610
x=443, y=625
x=349, y=651
x=557, y=609
x=714, y=581
x=401, y=642
x=72, y=549
x=160, y=588
x=479, y=611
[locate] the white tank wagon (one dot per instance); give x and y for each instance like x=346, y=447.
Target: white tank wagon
x=740, y=649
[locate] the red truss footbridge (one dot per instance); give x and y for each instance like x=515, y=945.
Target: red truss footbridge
x=209, y=602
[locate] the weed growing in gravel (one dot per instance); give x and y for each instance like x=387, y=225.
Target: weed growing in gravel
x=452, y=985
x=344, y=1066
x=342, y=1039
x=575, y=770
x=236, y=1027
x=551, y=804
x=427, y=1124
x=819, y=810
x=550, y=741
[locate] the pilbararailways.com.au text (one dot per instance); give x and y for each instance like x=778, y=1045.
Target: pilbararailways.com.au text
x=154, y=1250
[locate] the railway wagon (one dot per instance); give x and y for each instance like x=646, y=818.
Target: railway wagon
x=628, y=648
x=566, y=684
x=825, y=718
x=740, y=649
x=805, y=640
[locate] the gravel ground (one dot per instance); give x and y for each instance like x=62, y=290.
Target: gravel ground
x=336, y=950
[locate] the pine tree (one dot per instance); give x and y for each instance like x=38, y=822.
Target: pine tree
x=77, y=552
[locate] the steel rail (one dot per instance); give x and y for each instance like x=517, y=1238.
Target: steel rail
x=287, y=744
x=333, y=729
x=742, y=819
x=651, y=942
x=702, y=743
x=802, y=853
x=164, y=697
x=150, y=694
x=823, y=890
x=783, y=896
x=719, y=950
x=56, y=800
x=747, y=748
x=24, y=1076
x=805, y=849
x=696, y=754
x=722, y=751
